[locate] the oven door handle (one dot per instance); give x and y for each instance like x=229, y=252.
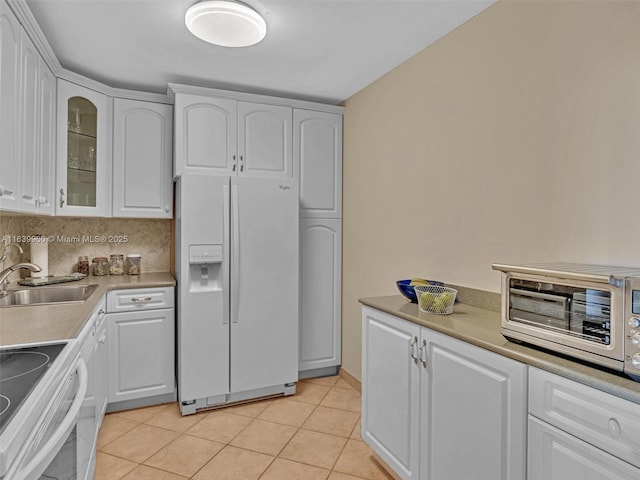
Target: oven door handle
x=50, y=449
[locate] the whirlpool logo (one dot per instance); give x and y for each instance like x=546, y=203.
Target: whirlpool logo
x=284, y=187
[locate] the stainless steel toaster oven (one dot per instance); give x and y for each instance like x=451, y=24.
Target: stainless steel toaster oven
x=591, y=312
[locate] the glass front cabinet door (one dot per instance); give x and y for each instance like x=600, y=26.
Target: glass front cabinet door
x=84, y=158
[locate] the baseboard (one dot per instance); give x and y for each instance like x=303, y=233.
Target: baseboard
x=318, y=372
x=350, y=379
x=384, y=465
x=142, y=402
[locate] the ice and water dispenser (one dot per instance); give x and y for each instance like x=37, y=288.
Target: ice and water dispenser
x=205, y=268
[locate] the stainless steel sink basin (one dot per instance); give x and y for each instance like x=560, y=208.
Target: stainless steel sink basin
x=47, y=295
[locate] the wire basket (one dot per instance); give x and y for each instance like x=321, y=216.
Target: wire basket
x=436, y=299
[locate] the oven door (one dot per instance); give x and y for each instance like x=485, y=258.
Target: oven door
x=51, y=449
x=577, y=318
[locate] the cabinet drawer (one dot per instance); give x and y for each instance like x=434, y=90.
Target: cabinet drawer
x=137, y=299
x=556, y=455
x=601, y=419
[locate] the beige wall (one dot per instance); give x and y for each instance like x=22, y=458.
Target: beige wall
x=149, y=238
x=515, y=138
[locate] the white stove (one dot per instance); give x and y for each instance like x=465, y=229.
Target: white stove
x=20, y=371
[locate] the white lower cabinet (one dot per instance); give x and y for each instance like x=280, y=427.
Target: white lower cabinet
x=437, y=408
x=101, y=371
x=320, y=299
x=556, y=455
x=391, y=391
x=577, y=432
x=140, y=348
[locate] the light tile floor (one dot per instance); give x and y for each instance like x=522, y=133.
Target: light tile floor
x=313, y=435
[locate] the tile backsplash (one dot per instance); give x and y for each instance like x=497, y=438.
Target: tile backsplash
x=70, y=237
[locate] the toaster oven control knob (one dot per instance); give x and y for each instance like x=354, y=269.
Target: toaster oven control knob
x=635, y=360
x=635, y=340
x=634, y=322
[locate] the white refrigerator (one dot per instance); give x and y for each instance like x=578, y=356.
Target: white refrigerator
x=237, y=274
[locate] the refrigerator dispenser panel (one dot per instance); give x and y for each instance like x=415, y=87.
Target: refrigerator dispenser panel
x=205, y=268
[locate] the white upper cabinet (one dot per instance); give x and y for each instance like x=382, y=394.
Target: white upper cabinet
x=264, y=140
x=205, y=134
x=230, y=137
x=27, y=121
x=317, y=150
x=37, y=131
x=29, y=65
x=84, y=152
x=142, y=153
x=47, y=139
x=9, y=109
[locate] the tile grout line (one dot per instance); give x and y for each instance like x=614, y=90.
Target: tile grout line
x=288, y=441
x=296, y=432
x=253, y=419
x=228, y=444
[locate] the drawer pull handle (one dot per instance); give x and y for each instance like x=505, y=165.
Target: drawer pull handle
x=615, y=430
x=141, y=299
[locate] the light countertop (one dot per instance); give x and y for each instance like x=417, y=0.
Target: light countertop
x=482, y=328
x=46, y=323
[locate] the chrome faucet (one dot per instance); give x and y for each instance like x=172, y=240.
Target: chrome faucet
x=6, y=248
x=4, y=274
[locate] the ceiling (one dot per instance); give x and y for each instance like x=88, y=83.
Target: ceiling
x=318, y=50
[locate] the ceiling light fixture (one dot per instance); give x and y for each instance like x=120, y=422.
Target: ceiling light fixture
x=225, y=23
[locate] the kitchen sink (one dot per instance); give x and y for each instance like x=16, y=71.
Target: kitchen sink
x=47, y=295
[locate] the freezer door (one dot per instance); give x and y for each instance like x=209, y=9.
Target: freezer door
x=202, y=240
x=264, y=282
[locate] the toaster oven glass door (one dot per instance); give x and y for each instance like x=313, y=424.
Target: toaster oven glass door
x=635, y=302
x=579, y=312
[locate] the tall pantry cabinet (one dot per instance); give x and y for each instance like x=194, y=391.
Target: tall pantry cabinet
x=228, y=133
x=318, y=154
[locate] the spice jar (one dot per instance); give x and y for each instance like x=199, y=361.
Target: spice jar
x=133, y=264
x=116, y=264
x=83, y=264
x=100, y=266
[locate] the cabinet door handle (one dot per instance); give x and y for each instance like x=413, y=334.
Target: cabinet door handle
x=241, y=163
x=166, y=208
x=423, y=353
x=61, y=197
x=141, y=299
x=412, y=349
x=234, y=164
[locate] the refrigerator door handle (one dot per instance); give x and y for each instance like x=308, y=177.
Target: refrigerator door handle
x=235, y=254
x=225, y=264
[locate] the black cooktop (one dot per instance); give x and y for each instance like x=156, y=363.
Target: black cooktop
x=20, y=371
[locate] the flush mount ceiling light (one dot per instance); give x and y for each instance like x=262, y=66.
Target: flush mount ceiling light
x=225, y=23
